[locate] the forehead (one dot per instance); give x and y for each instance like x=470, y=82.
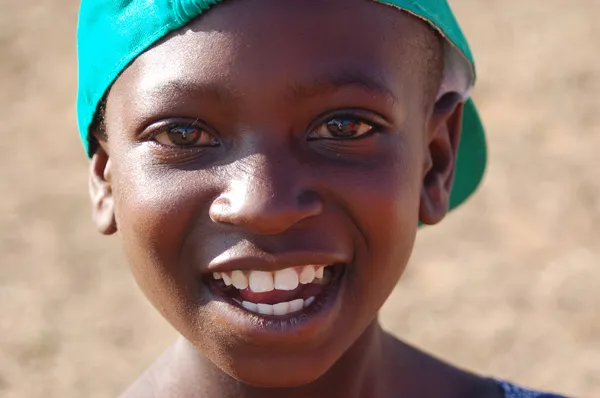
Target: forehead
x=239, y=48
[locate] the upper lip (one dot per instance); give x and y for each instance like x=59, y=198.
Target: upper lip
x=228, y=262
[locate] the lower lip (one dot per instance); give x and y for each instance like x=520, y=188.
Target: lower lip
x=314, y=320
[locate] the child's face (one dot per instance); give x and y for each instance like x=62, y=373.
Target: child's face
x=274, y=134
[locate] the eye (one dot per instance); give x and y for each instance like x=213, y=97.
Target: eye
x=341, y=128
x=184, y=136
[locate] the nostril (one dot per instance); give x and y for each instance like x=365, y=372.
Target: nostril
x=311, y=201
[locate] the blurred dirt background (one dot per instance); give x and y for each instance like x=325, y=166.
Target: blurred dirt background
x=507, y=286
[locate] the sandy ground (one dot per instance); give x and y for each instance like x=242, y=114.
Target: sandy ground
x=507, y=286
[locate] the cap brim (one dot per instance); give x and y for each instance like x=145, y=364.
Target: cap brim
x=472, y=156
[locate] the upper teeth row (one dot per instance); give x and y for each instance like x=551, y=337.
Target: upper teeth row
x=264, y=281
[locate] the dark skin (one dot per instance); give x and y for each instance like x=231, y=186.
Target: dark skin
x=222, y=139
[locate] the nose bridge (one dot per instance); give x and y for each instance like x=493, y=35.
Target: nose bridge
x=266, y=194
x=259, y=184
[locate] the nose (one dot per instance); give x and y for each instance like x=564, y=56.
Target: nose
x=265, y=197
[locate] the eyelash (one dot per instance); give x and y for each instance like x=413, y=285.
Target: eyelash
x=370, y=118
x=167, y=127
x=374, y=127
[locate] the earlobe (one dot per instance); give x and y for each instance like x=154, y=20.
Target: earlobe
x=103, y=206
x=440, y=160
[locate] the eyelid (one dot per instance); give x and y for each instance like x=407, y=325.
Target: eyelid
x=362, y=115
x=159, y=127
x=374, y=119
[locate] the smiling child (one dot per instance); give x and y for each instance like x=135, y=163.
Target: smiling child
x=267, y=164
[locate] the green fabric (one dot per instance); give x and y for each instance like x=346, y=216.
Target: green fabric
x=112, y=33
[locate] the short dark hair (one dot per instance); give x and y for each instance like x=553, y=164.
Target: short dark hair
x=97, y=130
x=434, y=48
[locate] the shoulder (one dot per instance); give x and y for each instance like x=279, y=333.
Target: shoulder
x=513, y=391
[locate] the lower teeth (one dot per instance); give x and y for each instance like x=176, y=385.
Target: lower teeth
x=278, y=309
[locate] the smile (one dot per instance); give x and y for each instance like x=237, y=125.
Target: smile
x=278, y=294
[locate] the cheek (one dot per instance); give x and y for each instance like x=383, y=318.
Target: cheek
x=155, y=208
x=383, y=201
x=383, y=197
x=390, y=235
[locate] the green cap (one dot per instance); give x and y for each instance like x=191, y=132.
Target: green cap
x=112, y=33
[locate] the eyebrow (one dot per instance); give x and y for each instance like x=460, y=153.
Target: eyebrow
x=213, y=92
x=328, y=84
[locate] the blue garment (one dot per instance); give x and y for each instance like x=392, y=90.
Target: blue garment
x=512, y=391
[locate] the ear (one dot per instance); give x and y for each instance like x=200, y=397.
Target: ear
x=443, y=137
x=103, y=204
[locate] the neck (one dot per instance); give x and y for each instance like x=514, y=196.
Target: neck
x=360, y=372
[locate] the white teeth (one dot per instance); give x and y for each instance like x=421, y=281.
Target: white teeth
x=281, y=308
x=265, y=309
x=226, y=279
x=278, y=309
x=309, y=301
x=307, y=275
x=261, y=281
x=286, y=279
x=239, y=280
x=319, y=272
x=250, y=306
x=296, y=305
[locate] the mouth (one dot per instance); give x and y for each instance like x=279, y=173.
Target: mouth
x=295, y=292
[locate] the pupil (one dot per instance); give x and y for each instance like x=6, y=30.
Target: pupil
x=183, y=135
x=341, y=127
